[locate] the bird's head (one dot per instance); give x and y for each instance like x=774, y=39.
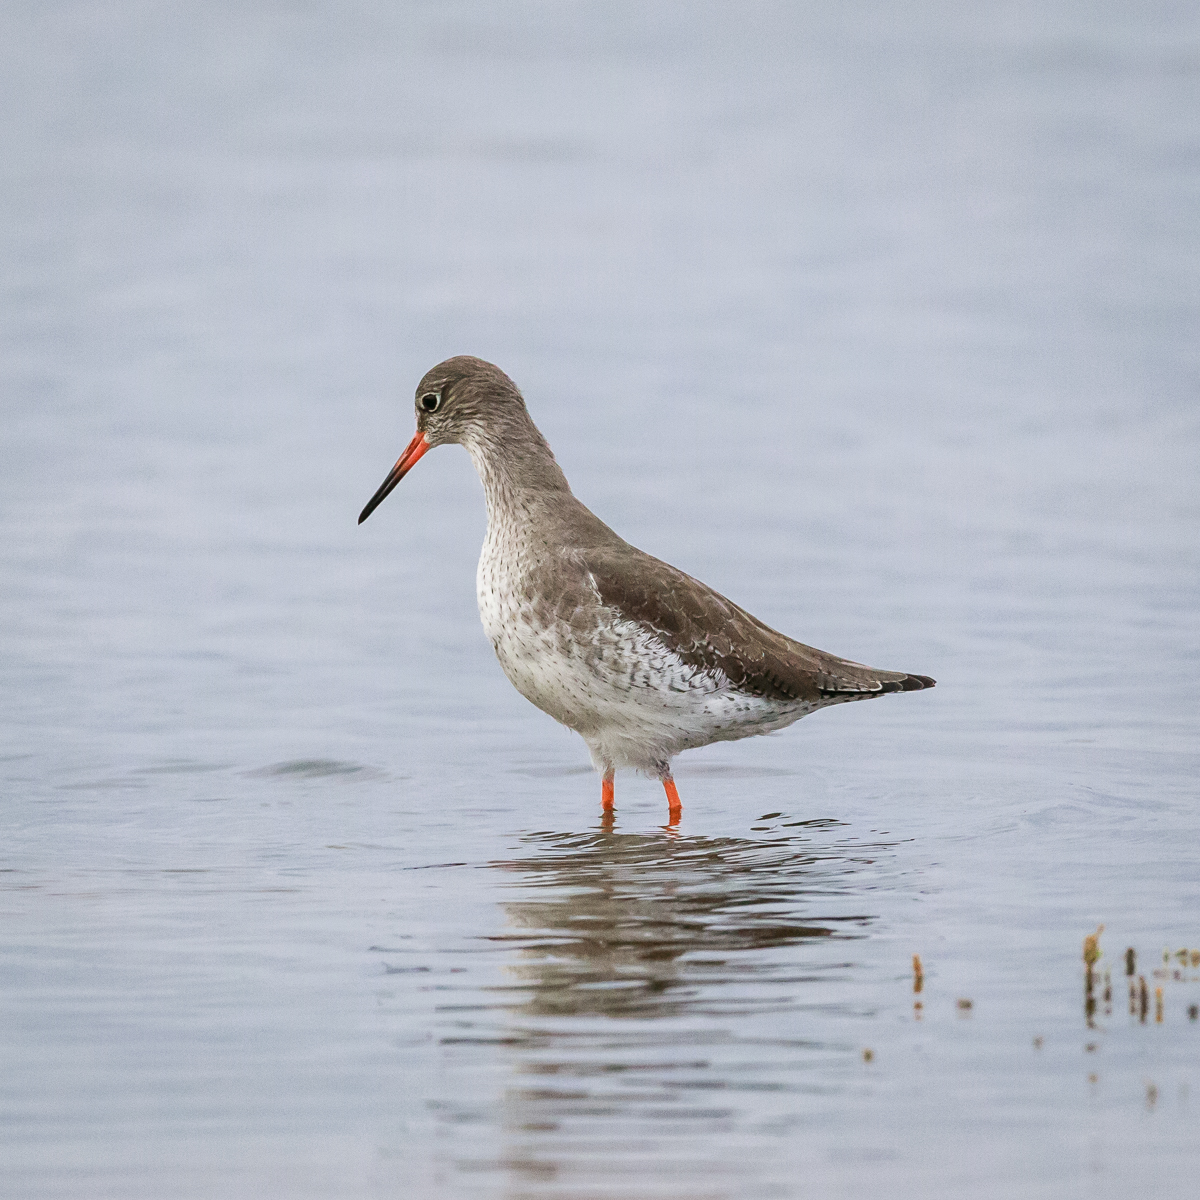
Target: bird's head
x=463, y=400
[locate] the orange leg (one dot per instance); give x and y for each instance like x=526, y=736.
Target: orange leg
x=674, y=808
x=606, y=792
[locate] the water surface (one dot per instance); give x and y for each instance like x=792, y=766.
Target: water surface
x=880, y=321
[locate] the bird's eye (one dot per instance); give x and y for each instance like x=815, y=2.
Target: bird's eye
x=430, y=401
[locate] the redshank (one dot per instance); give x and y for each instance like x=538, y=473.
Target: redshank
x=638, y=658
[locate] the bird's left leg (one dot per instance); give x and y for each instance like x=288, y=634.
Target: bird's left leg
x=607, y=790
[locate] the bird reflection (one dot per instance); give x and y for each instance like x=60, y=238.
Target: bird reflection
x=654, y=925
x=609, y=935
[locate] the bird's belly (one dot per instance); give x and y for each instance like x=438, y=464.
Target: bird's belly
x=635, y=702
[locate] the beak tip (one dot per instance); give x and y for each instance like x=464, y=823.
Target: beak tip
x=404, y=464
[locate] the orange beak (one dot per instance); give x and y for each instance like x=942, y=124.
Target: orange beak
x=404, y=464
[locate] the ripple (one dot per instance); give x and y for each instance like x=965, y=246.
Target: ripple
x=316, y=768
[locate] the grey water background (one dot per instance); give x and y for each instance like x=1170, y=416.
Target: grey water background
x=880, y=319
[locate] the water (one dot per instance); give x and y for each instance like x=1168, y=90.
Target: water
x=880, y=320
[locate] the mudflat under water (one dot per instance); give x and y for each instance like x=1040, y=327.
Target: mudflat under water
x=881, y=320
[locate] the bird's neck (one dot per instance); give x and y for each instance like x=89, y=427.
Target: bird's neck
x=517, y=470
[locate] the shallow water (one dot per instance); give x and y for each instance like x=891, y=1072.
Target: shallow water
x=881, y=322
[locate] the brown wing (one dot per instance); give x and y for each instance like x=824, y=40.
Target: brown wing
x=710, y=632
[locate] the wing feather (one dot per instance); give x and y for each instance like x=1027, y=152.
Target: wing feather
x=710, y=632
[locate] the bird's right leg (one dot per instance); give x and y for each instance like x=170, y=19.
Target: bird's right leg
x=674, y=807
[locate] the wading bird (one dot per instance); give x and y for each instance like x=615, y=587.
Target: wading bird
x=641, y=660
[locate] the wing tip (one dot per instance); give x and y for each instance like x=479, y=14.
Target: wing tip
x=909, y=683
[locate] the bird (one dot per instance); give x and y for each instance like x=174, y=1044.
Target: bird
x=637, y=657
